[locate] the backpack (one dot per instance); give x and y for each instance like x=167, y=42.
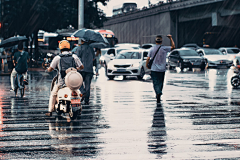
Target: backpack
x=22, y=66
x=66, y=61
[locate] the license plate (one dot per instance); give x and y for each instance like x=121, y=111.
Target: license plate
x=121, y=70
x=75, y=102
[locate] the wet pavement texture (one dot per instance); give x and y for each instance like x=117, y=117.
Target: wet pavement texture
x=199, y=118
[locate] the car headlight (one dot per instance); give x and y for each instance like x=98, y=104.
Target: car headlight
x=135, y=65
x=186, y=60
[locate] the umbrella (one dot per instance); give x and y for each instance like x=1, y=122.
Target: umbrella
x=98, y=45
x=12, y=41
x=90, y=35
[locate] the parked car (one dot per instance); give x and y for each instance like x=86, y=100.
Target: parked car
x=185, y=58
x=215, y=58
x=232, y=52
x=191, y=46
x=128, y=63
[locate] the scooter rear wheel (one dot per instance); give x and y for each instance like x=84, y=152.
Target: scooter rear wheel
x=74, y=115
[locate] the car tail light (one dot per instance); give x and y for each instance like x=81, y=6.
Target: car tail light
x=81, y=95
x=74, y=93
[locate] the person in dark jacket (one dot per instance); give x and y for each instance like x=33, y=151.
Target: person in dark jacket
x=86, y=55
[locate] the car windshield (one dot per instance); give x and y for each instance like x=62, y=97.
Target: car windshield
x=233, y=51
x=103, y=52
x=119, y=50
x=212, y=52
x=129, y=55
x=188, y=53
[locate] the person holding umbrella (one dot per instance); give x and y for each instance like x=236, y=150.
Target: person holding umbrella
x=86, y=55
x=20, y=60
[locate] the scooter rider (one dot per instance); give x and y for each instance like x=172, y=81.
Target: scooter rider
x=63, y=61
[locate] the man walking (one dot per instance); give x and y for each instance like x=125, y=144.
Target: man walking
x=86, y=55
x=159, y=64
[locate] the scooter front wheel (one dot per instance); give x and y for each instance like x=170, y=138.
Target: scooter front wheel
x=235, y=81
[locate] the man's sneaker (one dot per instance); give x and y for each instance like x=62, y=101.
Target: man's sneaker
x=25, y=81
x=49, y=114
x=86, y=103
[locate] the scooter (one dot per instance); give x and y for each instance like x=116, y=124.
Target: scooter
x=235, y=80
x=69, y=96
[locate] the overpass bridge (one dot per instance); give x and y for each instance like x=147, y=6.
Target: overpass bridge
x=213, y=22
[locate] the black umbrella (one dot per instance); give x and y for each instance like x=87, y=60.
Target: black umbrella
x=90, y=35
x=98, y=45
x=12, y=41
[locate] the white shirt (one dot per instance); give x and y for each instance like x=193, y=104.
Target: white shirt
x=56, y=63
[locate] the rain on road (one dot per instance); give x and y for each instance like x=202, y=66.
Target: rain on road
x=199, y=117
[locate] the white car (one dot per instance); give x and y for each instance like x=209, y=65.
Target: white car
x=215, y=58
x=127, y=45
x=232, y=52
x=108, y=54
x=128, y=63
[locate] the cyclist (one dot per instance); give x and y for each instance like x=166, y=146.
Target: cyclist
x=20, y=62
x=63, y=61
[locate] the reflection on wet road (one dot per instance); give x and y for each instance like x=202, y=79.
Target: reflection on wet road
x=199, y=117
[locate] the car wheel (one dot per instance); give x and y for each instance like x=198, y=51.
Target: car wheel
x=202, y=68
x=235, y=81
x=142, y=73
x=180, y=65
x=170, y=67
x=206, y=63
x=105, y=68
x=110, y=77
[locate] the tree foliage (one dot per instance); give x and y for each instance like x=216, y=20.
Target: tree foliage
x=28, y=16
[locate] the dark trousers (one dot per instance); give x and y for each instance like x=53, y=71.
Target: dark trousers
x=85, y=88
x=158, y=80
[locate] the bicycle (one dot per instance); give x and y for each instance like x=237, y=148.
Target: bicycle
x=19, y=84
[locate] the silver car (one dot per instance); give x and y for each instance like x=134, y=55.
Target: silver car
x=128, y=63
x=231, y=52
x=215, y=58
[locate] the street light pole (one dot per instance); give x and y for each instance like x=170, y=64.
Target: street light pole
x=80, y=14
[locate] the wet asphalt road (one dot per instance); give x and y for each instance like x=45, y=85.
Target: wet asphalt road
x=199, y=118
